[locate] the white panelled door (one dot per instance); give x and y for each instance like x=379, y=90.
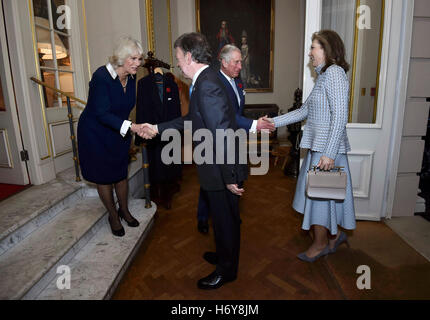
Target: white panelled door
x=55, y=25
x=12, y=169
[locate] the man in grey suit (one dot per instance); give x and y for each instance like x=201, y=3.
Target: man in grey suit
x=211, y=109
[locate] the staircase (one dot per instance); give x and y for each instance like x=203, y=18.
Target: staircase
x=56, y=242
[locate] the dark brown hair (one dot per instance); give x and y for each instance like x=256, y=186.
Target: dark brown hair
x=333, y=47
x=197, y=45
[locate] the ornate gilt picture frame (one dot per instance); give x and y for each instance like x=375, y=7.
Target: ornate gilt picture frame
x=248, y=24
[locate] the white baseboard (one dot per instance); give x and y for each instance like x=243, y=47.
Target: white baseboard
x=420, y=205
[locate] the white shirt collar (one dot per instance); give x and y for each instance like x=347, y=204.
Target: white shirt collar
x=112, y=71
x=228, y=78
x=232, y=85
x=196, y=75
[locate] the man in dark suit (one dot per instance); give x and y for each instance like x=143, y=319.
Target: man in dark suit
x=231, y=63
x=211, y=109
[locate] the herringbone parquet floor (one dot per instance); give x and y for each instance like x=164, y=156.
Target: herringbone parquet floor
x=170, y=262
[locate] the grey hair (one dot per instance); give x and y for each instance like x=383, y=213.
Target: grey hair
x=226, y=51
x=125, y=47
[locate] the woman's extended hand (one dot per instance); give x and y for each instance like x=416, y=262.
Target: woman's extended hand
x=265, y=123
x=145, y=130
x=325, y=163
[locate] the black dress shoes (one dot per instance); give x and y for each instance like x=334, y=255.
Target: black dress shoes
x=117, y=232
x=203, y=226
x=211, y=257
x=213, y=281
x=133, y=223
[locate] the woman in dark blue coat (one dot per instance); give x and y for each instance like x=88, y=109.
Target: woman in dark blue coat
x=104, y=131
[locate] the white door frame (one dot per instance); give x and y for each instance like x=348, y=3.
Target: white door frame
x=406, y=29
x=35, y=128
x=15, y=171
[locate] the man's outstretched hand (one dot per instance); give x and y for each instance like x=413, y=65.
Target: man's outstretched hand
x=145, y=130
x=265, y=123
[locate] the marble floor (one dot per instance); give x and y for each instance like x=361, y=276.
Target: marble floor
x=415, y=231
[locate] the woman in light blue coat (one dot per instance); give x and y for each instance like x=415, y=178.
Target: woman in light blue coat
x=326, y=111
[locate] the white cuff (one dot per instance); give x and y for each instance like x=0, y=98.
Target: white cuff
x=124, y=128
x=254, y=126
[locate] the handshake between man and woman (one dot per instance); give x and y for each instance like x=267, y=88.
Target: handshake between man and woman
x=149, y=131
x=145, y=130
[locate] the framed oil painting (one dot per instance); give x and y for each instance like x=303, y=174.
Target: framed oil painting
x=249, y=25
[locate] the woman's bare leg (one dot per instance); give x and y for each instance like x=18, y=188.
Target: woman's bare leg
x=320, y=241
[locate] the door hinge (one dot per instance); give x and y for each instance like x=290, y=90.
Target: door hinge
x=24, y=155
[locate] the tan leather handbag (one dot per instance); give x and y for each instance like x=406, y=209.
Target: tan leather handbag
x=326, y=184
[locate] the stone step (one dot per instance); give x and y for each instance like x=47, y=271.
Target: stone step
x=27, y=267
x=46, y=226
x=99, y=266
x=25, y=212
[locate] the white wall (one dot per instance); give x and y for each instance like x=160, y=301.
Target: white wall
x=161, y=31
x=107, y=20
x=406, y=201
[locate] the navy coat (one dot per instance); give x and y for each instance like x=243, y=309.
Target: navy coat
x=103, y=152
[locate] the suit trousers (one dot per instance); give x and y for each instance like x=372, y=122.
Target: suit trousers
x=224, y=207
x=202, y=208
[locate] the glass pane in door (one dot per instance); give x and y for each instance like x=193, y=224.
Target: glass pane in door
x=58, y=17
x=63, y=52
x=49, y=95
x=66, y=85
x=339, y=15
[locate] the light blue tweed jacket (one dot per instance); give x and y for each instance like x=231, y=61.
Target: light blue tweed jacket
x=326, y=111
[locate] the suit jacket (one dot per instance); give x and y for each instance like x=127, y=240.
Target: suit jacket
x=151, y=109
x=241, y=121
x=326, y=111
x=211, y=108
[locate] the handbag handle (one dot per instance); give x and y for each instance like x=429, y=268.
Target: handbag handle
x=314, y=168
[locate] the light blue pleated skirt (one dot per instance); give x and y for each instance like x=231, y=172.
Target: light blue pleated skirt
x=326, y=213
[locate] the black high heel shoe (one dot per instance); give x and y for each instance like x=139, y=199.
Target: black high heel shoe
x=133, y=223
x=120, y=232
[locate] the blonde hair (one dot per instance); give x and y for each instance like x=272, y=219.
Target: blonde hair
x=125, y=47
